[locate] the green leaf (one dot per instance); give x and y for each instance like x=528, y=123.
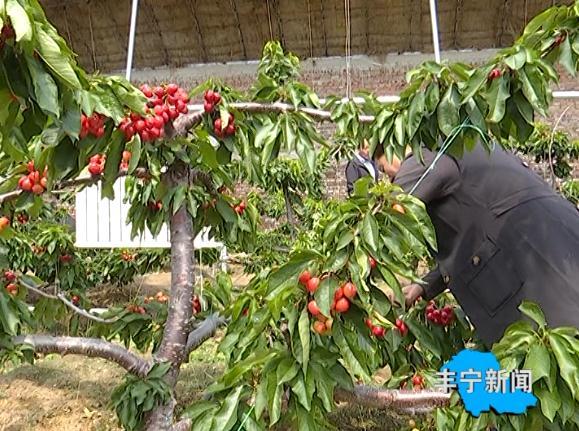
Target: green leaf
x=533, y=311
x=354, y=366
x=114, y=156
x=20, y=21
x=195, y=410
x=447, y=112
x=345, y=239
x=399, y=129
x=532, y=89
x=55, y=59
x=370, y=233
x=299, y=389
x=432, y=97
x=415, y=114
x=425, y=337
x=286, y=370
x=208, y=153
x=550, y=401
x=518, y=60
x=8, y=318
x=275, y=405
x=566, y=362
x=538, y=361
x=566, y=57
x=135, y=148
x=304, y=334
x=496, y=98
x=44, y=87
x=324, y=295
x=226, y=417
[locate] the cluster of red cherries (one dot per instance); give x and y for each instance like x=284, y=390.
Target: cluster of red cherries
x=212, y=99
x=93, y=125
x=34, y=181
x=239, y=208
x=11, y=287
x=443, y=317
x=165, y=104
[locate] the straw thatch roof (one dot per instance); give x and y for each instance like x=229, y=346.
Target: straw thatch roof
x=180, y=32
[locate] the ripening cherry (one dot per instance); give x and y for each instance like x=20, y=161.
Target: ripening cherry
x=312, y=284
x=304, y=277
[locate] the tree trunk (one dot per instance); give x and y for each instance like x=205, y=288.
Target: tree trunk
x=173, y=347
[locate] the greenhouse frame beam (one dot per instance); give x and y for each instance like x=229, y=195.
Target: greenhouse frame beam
x=132, y=32
x=434, y=25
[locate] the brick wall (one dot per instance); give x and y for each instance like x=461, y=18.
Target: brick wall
x=327, y=76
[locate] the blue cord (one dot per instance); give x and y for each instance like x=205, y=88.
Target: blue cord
x=446, y=145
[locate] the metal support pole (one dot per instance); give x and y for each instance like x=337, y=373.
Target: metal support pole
x=434, y=21
x=132, y=32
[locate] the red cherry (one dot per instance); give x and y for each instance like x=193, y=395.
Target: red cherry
x=173, y=114
x=30, y=166
x=146, y=90
x=230, y=129
x=495, y=73
x=154, y=133
x=95, y=169
x=209, y=96
x=159, y=92
x=172, y=100
x=140, y=125
x=417, y=381
x=319, y=327
x=37, y=189
x=166, y=117
x=369, y=324
x=182, y=107
x=349, y=290
x=313, y=308
x=217, y=124
x=207, y=107
x=75, y=300
x=129, y=133
x=373, y=262
x=312, y=284
x=338, y=294
x=126, y=156
x=304, y=277
x=145, y=136
x=25, y=184
x=378, y=331
x=172, y=89
x=158, y=122
x=216, y=98
x=158, y=110
x=342, y=305
x=9, y=275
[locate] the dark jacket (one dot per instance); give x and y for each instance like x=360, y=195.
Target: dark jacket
x=355, y=170
x=503, y=236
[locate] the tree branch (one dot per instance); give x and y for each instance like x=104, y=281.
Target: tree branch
x=91, y=347
x=78, y=181
x=61, y=297
x=186, y=122
x=421, y=401
x=204, y=331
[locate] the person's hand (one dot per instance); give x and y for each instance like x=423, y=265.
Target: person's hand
x=411, y=293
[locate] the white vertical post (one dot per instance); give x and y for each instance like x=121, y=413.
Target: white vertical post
x=132, y=32
x=434, y=21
